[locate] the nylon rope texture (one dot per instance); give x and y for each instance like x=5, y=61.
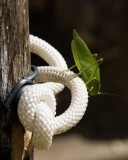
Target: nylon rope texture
x=37, y=104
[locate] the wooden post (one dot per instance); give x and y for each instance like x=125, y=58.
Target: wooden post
x=14, y=65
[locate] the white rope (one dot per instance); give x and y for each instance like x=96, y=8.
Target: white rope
x=37, y=105
x=50, y=55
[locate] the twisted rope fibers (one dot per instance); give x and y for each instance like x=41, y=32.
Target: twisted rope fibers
x=37, y=105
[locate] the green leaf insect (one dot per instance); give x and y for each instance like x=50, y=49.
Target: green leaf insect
x=87, y=64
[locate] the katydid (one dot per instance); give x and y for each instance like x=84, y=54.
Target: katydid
x=86, y=63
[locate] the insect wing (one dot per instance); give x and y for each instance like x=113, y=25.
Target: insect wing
x=84, y=59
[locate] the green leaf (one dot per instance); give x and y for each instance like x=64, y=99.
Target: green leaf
x=86, y=64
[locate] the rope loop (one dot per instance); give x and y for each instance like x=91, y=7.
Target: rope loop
x=37, y=105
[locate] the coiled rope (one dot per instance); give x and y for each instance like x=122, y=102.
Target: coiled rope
x=37, y=104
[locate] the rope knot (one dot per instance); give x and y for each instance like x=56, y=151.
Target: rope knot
x=38, y=103
x=37, y=107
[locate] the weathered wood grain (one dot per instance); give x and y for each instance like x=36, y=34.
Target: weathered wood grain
x=14, y=65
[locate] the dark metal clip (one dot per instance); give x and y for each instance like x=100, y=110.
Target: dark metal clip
x=16, y=92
